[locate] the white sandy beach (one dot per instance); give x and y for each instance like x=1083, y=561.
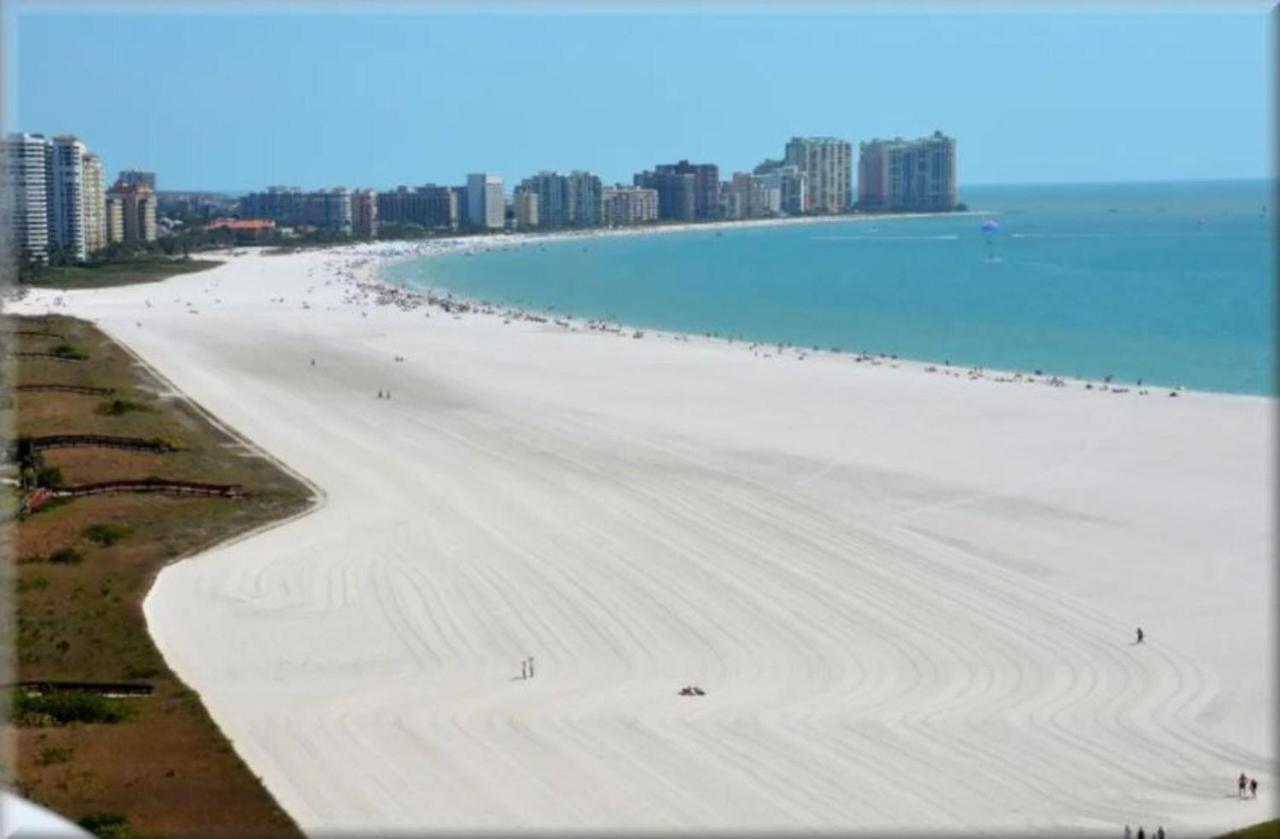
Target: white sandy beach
x=910, y=597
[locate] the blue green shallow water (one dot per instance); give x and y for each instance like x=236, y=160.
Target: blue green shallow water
x=1172, y=283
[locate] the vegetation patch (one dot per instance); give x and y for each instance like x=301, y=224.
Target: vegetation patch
x=52, y=755
x=66, y=556
x=119, y=407
x=60, y=707
x=78, y=627
x=108, y=826
x=1263, y=830
x=65, y=350
x=107, y=534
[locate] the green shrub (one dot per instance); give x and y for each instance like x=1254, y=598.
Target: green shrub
x=107, y=534
x=32, y=584
x=108, y=826
x=66, y=556
x=65, y=350
x=116, y=407
x=66, y=706
x=54, y=754
x=48, y=476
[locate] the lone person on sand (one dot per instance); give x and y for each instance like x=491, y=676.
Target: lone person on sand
x=1140, y=635
x=1253, y=787
x=1241, y=783
x=1128, y=834
x=524, y=669
x=1160, y=832
x=530, y=667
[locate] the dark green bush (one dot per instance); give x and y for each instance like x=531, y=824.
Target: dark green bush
x=66, y=556
x=107, y=534
x=66, y=706
x=117, y=407
x=65, y=350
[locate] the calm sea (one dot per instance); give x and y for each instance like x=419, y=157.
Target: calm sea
x=1172, y=283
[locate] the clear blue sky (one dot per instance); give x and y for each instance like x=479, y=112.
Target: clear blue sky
x=236, y=99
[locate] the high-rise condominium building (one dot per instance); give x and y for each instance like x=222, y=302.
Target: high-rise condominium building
x=430, y=206
x=113, y=215
x=825, y=162
x=705, y=188
x=754, y=196
x=553, y=200
x=95, y=205
x=486, y=206
x=789, y=180
x=364, y=213
x=526, y=207
x=572, y=200
x=902, y=174
x=24, y=214
x=627, y=205
x=67, y=195
x=676, y=193
x=132, y=206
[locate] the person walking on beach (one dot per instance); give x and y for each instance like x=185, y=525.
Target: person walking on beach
x=1128, y=834
x=524, y=669
x=1160, y=832
x=530, y=667
x=1253, y=787
x=1241, y=783
x=1140, y=635
x=1142, y=834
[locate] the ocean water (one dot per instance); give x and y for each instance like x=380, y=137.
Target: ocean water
x=1172, y=283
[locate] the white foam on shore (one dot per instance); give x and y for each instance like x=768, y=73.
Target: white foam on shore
x=908, y=596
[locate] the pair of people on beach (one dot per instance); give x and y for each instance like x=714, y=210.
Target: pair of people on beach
x=1245, y=782
x=526, y=668
x=1142, y=834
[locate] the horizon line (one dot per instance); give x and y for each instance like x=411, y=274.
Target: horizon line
x=978, y=185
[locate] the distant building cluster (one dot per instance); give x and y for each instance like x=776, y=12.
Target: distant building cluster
x=57, y=196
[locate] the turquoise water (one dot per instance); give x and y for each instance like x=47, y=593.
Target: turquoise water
x=1088, y=280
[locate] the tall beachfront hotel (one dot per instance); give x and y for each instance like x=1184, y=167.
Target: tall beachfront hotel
x=53, y=196
x=902, y=174
x=826, y=164
x=25, y=209
x=486, y=205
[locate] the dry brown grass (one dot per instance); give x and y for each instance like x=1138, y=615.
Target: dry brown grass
x=168, y=769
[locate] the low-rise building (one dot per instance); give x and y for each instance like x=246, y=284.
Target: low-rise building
x=429, y=206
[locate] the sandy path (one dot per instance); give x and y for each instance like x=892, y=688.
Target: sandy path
x=910, y=598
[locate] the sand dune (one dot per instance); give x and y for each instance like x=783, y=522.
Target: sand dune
x=910, y=599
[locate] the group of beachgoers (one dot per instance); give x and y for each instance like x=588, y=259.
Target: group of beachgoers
x=355, y=268
x=1246, y=787
x=526, y=668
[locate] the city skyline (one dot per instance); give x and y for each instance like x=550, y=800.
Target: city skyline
x=204, y=85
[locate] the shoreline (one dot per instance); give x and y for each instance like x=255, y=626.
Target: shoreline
x=394, y=253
